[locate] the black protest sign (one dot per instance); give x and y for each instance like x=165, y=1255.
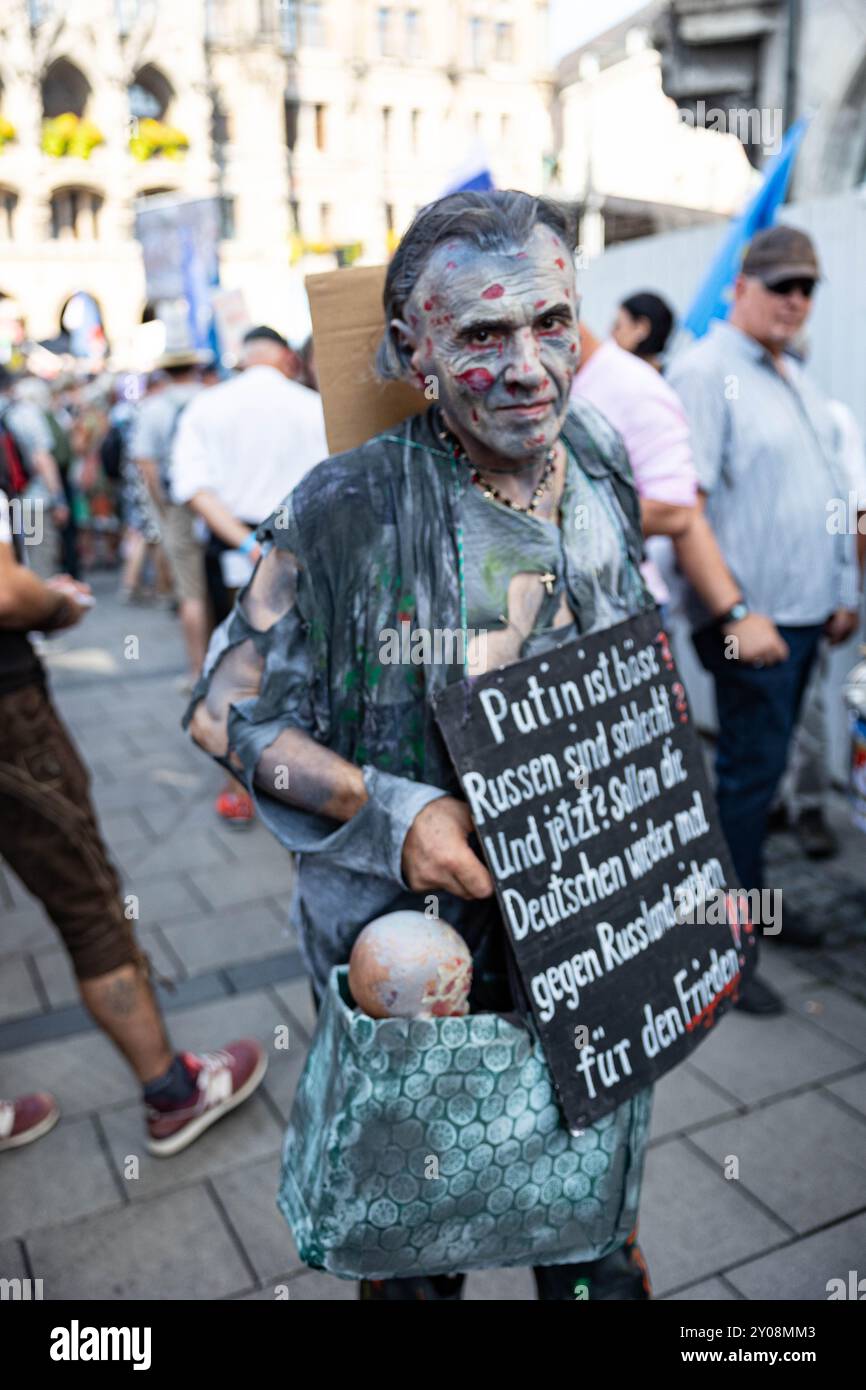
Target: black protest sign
x=588, y=790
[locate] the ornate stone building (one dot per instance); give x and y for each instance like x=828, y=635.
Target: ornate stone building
x=323, y=125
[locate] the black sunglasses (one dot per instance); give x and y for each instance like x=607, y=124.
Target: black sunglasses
x=797, y=282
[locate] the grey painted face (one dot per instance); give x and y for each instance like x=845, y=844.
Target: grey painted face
x=498, y=330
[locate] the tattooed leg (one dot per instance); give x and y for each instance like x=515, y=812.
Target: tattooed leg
x=123, y=1004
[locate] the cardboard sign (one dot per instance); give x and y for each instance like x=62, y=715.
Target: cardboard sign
x=346, y=309
x=592, y=805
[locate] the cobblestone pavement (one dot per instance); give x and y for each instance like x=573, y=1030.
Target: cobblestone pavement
x=787, y=1096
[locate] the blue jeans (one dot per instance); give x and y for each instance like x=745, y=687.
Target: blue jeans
x=758, y=708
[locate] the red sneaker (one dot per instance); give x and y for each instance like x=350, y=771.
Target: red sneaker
x=223, y=1080
x=26, y=1119
x=235, y=808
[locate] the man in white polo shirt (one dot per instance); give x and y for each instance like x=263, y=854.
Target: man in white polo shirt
x=240, y=448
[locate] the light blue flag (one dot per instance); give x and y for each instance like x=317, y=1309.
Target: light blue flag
x=713, y=299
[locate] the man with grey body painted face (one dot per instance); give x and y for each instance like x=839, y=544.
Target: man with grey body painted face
x=502, y=510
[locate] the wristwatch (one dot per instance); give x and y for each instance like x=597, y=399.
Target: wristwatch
x=735, y=613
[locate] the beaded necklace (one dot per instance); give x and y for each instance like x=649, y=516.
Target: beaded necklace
x=488, y=490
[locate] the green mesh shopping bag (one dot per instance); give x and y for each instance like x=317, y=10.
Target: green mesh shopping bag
x=436, y=1146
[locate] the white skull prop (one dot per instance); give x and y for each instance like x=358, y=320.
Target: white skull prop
x=406, y=965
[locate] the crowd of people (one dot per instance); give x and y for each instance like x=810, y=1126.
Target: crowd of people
x=179, y=489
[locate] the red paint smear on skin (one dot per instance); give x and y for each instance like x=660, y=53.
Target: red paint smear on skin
x=521, y=255
x=450, y=265
x=493, y=292
x=475, y=416
x=560, y=262
x=574, y=347
x=540, y=303
x=428, y=304
x=413, y=320
x=429, y=344
x=477, y=379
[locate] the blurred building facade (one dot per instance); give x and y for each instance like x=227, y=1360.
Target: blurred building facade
x=802, y=57
x=626, y=153
x=321, y=124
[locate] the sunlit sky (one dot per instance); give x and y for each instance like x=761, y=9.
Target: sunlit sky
x=572, y=22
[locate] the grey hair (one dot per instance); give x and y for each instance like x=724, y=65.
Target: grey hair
x=498, y=220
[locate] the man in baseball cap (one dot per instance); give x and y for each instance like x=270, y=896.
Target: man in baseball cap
x=779, y=254
x=765, y=452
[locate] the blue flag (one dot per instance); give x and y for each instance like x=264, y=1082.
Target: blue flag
x=473, y=172
x=713, y=299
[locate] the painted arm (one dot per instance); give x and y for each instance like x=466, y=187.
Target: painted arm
x=387, y=826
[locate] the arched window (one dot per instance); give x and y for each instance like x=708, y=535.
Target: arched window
x=64, y=88
x=150, y=94
x=75, y=214
x=8, y=204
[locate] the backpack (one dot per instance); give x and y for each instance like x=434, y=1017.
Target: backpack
x=111, y=452
x=15, y=471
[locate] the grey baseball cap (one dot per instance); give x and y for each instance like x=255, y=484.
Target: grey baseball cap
x=781, y=253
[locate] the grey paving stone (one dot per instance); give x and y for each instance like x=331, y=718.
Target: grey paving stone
x=205, y=1027
x=25, y=926
x=249, y=1195
x=162, y=897
x=110, y=747
x=156, y=799
x=709, y=1291
x=849, y=966
x=18, y=994
x=12, y=1264
x=499, y=1286
x=84, y=1072
x=852, y=1090
x=268, y=970
x=228, y=935
x=82, y=708
x=298, y=999
x=802, y=1270
x=284, y=1073
x=124, y=828
x=693, y=1222
x=803, y=1157
x=248, y=1133
x=62, y=1176
x=58, y=978
x=755, y=1058
x=835, y=1013
x=161, y=736
x=175, y=1248
x=231, y=884
x=251, y=844
x=786, y=970
x=190, y=850
x=682, y=1099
